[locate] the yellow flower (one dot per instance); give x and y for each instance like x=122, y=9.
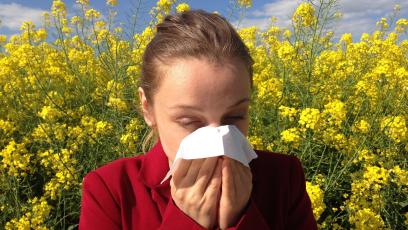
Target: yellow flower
x=288, y=112
x=401, y=25
x=364, y=37
x=395, y=128
x=42, y=209
x=102, y=127
x=287, y=34
x=117, y=103
x=361, y=126
x=49, y=113
x=164, y=5
x=316, y=196
x=346, y=38
x=291, y=136
x=41, y=34
x=304, y=15
x=401, y=175
x=366, y=156
x=248, y=35
x=7, y=127
x=76, y=20
x=270, y=91
x=58, y=9
x=15, y=159
x=3, y=39
x=366, y=219
x=131, y=137
x=309, y=118
x=182, y=7
x=286, y=52
x=336, y=112
x=256, y=142
x=83, y=2
x=383, y=24
x=92, y=13
x=245, y=3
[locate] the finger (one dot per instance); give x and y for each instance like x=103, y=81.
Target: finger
x=243, y=180
x=206, y=172
x=246, y=173
x=214, y=185
x=235, y=174
x=242, y=174
x=181, y=170
x=227, y=180
x=191, y=176
x=237, y=166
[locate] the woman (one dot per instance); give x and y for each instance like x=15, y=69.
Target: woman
x=196, y=72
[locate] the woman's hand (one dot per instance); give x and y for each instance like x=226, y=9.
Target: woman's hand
x=236, y=191
x=196, y=188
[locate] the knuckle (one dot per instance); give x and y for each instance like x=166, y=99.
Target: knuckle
x=205, y=172
x=178, y=195
x=206, y=209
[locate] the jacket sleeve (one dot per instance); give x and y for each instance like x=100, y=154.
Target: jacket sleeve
x=300, y=213
x=98, y=207
x=251, y=219
x=175, y=218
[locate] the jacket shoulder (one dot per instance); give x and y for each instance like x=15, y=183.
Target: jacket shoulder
x=279, y=160
x=272, y=166
x=120, y=166
x=115, y=174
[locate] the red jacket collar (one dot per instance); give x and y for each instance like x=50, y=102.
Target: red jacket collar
x=154, y=167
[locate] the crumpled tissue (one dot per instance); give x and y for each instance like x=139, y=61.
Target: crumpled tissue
x=226, y=140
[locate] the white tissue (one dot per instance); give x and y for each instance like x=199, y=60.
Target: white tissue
x=210, y=141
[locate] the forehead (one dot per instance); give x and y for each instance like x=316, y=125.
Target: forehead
x=199, y=81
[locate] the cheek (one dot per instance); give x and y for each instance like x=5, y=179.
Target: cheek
x=170, y=137
x=169, y=144
x=243, y=127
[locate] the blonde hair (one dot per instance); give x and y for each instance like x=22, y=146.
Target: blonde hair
x=149, y=140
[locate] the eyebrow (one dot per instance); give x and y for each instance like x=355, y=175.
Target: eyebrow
x=199, y=109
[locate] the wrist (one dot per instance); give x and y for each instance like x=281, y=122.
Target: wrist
x=234, y=221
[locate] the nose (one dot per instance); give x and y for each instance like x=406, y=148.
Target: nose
x=221, y=119
x=216, y=123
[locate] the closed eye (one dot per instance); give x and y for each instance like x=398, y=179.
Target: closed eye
x=190, y=123
x=187, y=122
x=236, y=117
x=233, y=119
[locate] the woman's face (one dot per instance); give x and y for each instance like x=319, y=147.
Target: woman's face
x=195, y=93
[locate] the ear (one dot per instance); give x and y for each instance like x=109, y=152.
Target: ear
x=146, y=108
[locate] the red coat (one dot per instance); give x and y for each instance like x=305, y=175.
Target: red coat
x=127, y=194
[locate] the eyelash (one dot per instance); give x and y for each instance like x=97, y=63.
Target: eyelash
x=192, y=122
x=237, y=117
